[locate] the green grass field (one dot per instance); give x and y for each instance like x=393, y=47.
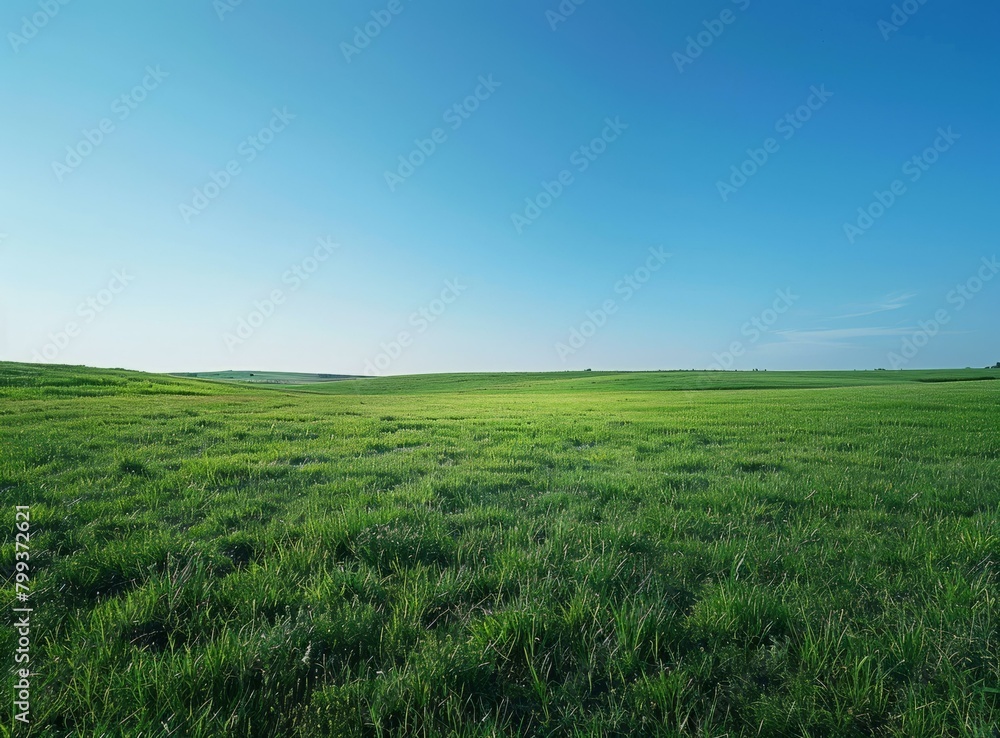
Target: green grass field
x=576, y=554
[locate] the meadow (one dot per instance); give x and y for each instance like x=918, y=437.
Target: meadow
x=571, y=554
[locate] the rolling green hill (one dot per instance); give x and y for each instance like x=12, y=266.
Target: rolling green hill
x=579, y=554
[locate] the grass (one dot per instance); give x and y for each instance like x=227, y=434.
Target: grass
x=576, y=554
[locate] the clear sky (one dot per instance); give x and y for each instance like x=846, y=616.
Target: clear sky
x=415, y=186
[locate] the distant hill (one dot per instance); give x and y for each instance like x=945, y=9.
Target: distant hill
x=265, y=377
x=37, y=381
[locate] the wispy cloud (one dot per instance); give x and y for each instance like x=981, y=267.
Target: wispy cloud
x=837, y=337
x=842, y=337
x=890, y=302
x=837, y=334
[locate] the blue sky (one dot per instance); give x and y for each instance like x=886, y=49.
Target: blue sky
x=582, y=206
